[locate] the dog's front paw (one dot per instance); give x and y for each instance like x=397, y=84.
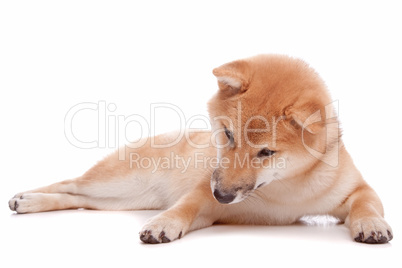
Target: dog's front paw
x=371, y=230
x=162, y=229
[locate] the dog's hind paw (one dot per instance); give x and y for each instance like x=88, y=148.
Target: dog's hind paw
x=372, y=230
x=27, y=203
x=13, y=203
x=161, y=229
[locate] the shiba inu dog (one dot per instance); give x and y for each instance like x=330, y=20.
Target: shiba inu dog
x=274, y=154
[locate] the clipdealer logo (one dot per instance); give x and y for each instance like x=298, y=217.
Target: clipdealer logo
x=113, y=129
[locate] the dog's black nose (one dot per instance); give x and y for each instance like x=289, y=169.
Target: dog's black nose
x=223, y=198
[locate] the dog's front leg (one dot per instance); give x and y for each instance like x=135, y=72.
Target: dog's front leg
x=195, y=210
x=366, y=217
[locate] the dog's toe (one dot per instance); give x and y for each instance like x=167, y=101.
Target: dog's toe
x=390, y=236
x=163, y=238
x=147, y=237
x=13, y=204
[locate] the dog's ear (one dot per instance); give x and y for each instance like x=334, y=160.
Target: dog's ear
x=308, y=117
x=233, y=77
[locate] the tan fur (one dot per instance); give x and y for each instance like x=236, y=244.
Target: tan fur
x=269, y=101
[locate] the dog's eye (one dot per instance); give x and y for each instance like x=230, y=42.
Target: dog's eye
x=229, y=135
x=265, y=152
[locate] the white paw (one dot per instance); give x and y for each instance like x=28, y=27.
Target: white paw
x=372, y=230
x=162, y=229
x=26, y=202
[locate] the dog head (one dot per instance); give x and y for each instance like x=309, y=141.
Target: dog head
x=272, y=119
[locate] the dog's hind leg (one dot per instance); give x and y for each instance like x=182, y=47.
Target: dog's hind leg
x=38, y=202
x=109, y=185
x=123, y=183
x=132, y=192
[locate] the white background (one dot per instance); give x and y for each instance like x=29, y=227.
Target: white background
x=54, y=55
